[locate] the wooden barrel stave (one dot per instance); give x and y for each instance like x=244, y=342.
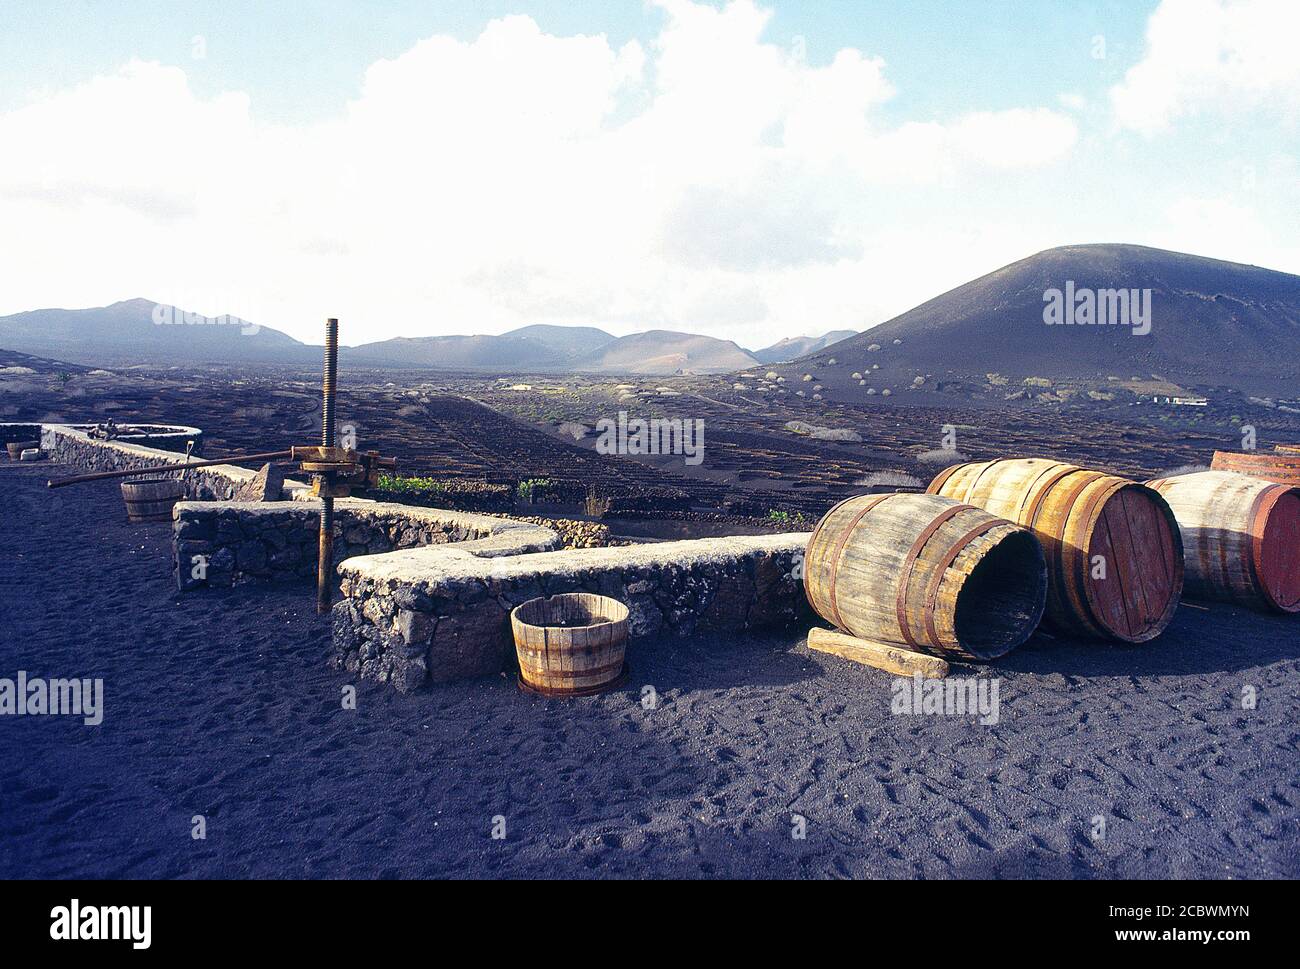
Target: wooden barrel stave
x=896, y=569
x=1150, y=590
x=1070, y=522
x=1281, y=466
x=1079, y=514
x=940, y=604
x=1278, y=557
x=1242, y=535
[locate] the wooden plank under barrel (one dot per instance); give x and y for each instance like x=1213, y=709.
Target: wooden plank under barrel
x=1242, y=536
x=1114, y=553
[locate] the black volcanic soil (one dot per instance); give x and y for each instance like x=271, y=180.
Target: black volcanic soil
x=466, y=426
x=220, y=705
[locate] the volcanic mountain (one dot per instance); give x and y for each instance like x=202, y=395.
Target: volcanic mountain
x=142, y=331
x=454, y=353
x=540, y=347
x=664, y=352
x=1212, y=323
x=571, y=341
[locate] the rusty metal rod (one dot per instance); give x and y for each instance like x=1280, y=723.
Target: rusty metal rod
x=325, y=563
x=327, y=384
x=324, y=566
x=231, y=459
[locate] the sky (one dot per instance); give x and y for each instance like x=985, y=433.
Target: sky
x=752, y=170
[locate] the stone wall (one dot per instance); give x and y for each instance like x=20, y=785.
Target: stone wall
x=220, y=544
x=72, y=446
x=427, y=592
x=433, y=615
x=163, y=437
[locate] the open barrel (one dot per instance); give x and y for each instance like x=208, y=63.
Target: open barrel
x=927, y=573
x=1114, y=554
x=151, y=499
x=571, y=644
x=1242, y=536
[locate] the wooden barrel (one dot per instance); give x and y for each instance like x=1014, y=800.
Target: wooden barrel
x=1280, y=466
x=1114, y=555
x=570, y=644
x=151, y=499
x=926, y=573
x=1242, y=536
x=17, y=448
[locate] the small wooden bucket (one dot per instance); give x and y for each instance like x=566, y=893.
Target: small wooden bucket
x=151, y=499
x=17, y=448
x=571, y=644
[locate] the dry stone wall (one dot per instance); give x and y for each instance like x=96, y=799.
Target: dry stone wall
x=224, y=543
x=427, y=592
x=433, y=615
x=74, y=447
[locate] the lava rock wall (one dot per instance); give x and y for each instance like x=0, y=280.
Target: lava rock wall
x=435, y=615
x=218, y=544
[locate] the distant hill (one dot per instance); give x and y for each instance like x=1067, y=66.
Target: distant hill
x=504, y=353
x=15, y=364
x=559, y=349
x=664, y=352
x=571, y=341
x=539, y=347
x=791, y=348
x=1211, y=323
x=136, y=331
x=129, y=332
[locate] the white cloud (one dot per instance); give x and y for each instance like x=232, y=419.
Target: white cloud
x=1224, y=228
x=707, y=180
x=1017, y=138
x=1212, y=55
